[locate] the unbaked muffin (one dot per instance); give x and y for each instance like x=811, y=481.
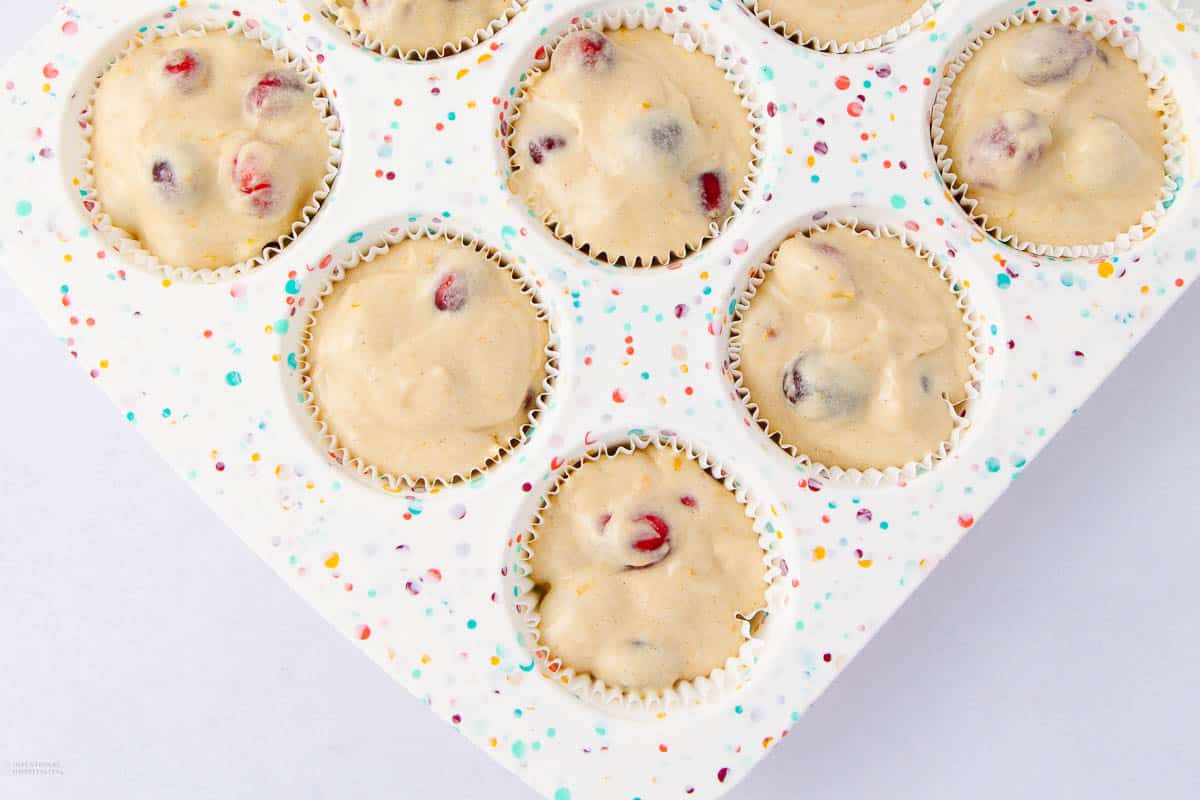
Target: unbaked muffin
x=1057, y=136
x=207, y=149
x=425, y=27
x=631, y=146
x=647, y=569
x=426, y=362
x=840, y=22
x=855, y=351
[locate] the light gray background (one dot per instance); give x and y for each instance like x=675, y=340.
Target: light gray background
x=145, y=649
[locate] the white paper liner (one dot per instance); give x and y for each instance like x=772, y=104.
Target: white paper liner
x=364, y=255
x=888, y=475
x=685, y=694
x=359, y=38
x=1091, y=21
x=132, y=249
x=688, y=37
x=792, y=32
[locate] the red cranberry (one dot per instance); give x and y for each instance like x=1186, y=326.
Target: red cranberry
x=275, y=92
x=795, y=388
x=539, y=147
x=667, y=136
x=451, y=293
x=185, y=70
x=588, y=49
x=656, y=537
x=1051, y=53
x=710, y=188
x=163, y=175
x=1001, y=154
x=252, y=178
x=604, y=520
x=688, y=501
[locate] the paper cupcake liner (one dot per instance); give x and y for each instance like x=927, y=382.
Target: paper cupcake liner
x=792, y=32
x=337, y=15
x=1091, y=21
x=685, y=694
x=687, y=36
x=130, y=247
x=887, y=475
x=364, y=255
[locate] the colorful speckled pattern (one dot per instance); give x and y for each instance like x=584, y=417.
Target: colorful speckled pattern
x=419, y=580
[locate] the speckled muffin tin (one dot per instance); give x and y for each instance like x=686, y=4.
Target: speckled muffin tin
x=422, y=581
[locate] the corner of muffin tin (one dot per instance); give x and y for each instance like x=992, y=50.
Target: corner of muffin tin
x=780, y=200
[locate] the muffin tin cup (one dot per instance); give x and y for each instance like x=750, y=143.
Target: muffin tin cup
x=793, y=33
x=399, y=482
x=1101, y=27
x=685, y=695
x=687, y=36
x=885, y=474
x=461, y=44
x=188, y=25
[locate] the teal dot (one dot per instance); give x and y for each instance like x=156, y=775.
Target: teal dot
x=562, y=793
x=233, y=378
x=472, y=624
x=1003, y=281
x=518, y=748
x=898, y=202
x=292, y=286
x=551, y=733
x=355, y=238
x=993, y=464
x=281, y=326
x=24, y=208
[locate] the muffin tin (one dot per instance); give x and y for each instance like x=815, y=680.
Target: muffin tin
x=424, y=581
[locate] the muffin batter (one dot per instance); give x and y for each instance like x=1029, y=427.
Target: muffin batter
x=1056, y=135
x=206, y=149
x=852, y=347
x=426, y=361
x=636, y=146
x=646, y=567
x=417, y=25
x=841, y=21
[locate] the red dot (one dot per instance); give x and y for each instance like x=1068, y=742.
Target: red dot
x=842, y=82
x=827, y=657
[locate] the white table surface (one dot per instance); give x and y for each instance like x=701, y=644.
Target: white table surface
x=149, y=654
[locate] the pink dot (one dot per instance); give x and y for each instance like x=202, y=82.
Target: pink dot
x=70, y=28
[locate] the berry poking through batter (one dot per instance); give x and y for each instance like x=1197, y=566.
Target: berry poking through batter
x=451, y=293
x=163, y=175
x=711, y=186
x=1052, y=54
x=546, y=144
x=795, y=388
x=587, y=49
x=1003, y=152
x=185, y=70
x=275, y=92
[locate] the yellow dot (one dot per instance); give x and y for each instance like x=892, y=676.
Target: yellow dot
x=865, y=563
x=255, y=457
x=818, y=553
x=332, y=561
x=166, y=283
x=67, y=258
x=1105, y=269
x=462, y=73
x=484, y=57
x=104, y=363
x=494, y=661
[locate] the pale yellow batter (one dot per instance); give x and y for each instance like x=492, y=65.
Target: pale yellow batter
x=427, y=361
x=852, y=347
x=633, y=144
x=840, y=21
x=1057, y=136
x=417, y=25
x=646, y=567
x=206, y=149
